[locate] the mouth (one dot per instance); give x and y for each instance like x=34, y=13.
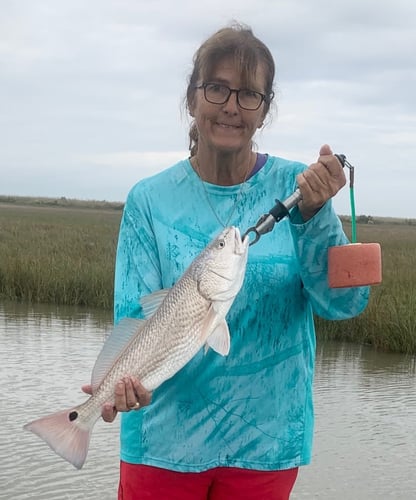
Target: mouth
x=223, y=276
x=240, y=244
x=228, y=126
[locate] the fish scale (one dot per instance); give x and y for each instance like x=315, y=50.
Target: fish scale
x=180, y=322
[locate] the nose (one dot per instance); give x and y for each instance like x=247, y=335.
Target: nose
x=231, y=104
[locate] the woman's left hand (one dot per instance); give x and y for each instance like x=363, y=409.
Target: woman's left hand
x=129, y=394
x=320, y=182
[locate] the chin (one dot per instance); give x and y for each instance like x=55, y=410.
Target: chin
x=228, y=150
x=228, y=146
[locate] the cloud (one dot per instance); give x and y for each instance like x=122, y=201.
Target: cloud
x=93, y=90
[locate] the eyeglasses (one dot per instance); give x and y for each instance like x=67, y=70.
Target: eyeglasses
x=216, y=93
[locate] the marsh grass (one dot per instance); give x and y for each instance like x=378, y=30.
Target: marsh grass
x=58, y=255
x=389, y=322
x=62, y=252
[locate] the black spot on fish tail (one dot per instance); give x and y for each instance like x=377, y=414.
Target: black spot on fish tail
x=73, y=416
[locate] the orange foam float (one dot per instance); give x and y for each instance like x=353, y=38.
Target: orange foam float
x=355, y=264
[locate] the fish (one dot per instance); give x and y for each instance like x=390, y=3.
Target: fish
x=178, y=323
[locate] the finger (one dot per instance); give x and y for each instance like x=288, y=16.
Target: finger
x=87, y=389
x=327, y=158
x=315, y=178
x=325, y=150
x=334, y=169
x=131, y=397
x=144, y=397
x=313, y=184
x=120, y=398
x=108, y=412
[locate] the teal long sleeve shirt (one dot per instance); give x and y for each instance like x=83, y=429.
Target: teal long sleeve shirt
x=254, y=407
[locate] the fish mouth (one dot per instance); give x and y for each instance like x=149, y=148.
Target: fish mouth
x=240, y=244
x=223, y=276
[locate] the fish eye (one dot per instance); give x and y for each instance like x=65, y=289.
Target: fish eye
x=221, y=243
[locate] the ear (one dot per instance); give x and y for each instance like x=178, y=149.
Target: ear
x=261, y=119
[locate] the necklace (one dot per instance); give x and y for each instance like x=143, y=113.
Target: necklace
x=237, y=200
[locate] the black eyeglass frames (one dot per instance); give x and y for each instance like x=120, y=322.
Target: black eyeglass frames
x=217, y=93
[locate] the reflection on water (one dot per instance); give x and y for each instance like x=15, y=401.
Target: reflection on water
x=365, y=413
x=365, y=426
x=46, y=355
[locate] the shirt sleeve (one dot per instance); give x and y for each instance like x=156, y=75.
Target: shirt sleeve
x=137, y=270
x=312, y=240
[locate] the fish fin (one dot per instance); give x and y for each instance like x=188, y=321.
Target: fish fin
x=219, y=340
x=119, y=338
x=150, y=303
x=64, y=436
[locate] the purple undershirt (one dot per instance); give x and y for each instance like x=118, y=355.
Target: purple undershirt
x=260, y=161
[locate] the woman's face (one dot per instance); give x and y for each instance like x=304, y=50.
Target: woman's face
x=227, y=127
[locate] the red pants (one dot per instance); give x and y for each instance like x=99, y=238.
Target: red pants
x=138, y=482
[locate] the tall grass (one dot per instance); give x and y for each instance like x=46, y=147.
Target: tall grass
x=389, y=322
x=58, y=255
x=64, y=252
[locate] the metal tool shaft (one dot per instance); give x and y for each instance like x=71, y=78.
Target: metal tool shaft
x=267, y=221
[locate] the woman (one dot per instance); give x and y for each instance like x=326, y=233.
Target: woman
x=236, y=426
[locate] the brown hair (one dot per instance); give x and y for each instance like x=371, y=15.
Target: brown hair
x=247, y=51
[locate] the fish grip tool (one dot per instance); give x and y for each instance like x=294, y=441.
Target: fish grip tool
x=354, y=264
x=281, y=209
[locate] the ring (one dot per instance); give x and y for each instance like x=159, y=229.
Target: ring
x=136, y=406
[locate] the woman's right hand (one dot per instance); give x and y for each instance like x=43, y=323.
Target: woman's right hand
x=320, y=182
x=129, y=395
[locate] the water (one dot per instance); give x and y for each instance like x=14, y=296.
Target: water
x=365, y=446
x=365, y=409
x=46, y=355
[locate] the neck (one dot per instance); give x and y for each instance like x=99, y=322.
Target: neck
x=224, y=170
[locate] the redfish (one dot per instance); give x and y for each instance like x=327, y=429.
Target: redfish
x=178, y=323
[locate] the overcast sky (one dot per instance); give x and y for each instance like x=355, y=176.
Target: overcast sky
x=91, y=91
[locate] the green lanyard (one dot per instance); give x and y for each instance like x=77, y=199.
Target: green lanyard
x=352, y=202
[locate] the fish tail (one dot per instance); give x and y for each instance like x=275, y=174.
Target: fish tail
x=66, y=433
